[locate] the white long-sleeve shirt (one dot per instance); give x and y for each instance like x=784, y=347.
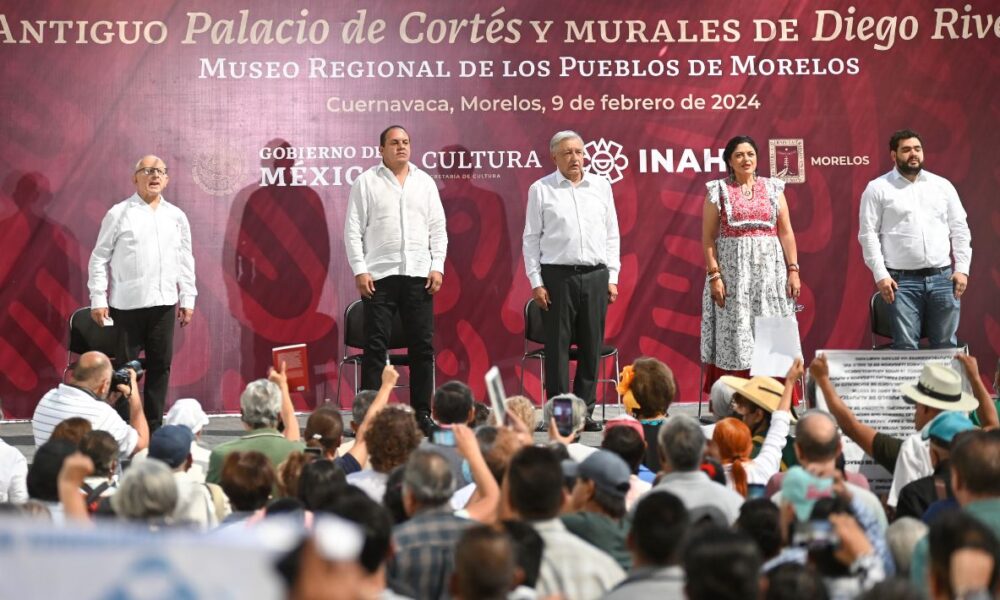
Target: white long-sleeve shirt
x=571, y=225
x=149, y=253
x=913, y=225
x=394, y=229
x=13, y=475
x=768, y=460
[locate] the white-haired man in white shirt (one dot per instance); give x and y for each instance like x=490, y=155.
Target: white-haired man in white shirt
x=145, y=243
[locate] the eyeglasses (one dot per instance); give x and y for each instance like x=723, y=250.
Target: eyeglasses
x=148, y=171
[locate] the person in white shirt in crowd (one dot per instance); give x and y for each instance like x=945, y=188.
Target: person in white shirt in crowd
x=911, y=225
x=171, y=444
x=145, y=242
x=13, y=473
x=102, y=450
x=87, y=396
x=396, y=242
x=188, y=412
x=391, y=436
x=571, y=251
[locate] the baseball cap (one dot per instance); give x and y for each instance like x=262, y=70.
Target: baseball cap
x=607, y=470
x=171, y=444
x=802, y=489
x=944, y=427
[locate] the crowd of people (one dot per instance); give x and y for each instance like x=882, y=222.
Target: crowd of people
x=481, y=509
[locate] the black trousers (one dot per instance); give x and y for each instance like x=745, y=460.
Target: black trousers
x=150, y=329
x=579, y=303
x=416, y=310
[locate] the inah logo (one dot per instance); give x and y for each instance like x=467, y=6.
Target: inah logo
x=605, y=157
x=788, y=160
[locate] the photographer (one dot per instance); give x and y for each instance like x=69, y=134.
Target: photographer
x=89, y=395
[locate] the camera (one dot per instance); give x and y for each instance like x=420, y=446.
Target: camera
x=121, y=376
x=815, y=535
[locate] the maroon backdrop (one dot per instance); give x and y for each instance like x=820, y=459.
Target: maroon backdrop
x=270, y=259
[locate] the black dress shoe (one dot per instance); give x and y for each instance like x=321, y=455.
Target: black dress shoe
x=592, y=425
x=426, y=423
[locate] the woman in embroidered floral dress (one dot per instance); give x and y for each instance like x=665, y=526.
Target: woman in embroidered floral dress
x=750, y=257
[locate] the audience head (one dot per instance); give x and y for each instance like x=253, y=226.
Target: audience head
x=72, y=430
x=817, y=439
x=247, y=479
x=579, y=412
x=43, y=474
x=102, y=449
x=498, y=446
x=975, y=466
x=93, y=371
x=187, y=412
x=524, y=409
x=533, y=486
x=427, y=481
x=732, y=438
x=761, y=520
x=957, y=535
x=391, y=437
x=359, y=408
x=393, y=499
x=626, y=442
x=755, y=399
x=721, y=399
x=528, y=547
x=602, y=482
x=374, y=521
x=942, y=431
x=260, y=404
x=172, y=445
x=320, y=483
x=681, y=444
x=147, y=492
x=902, y=536
x=289, y=471
x=324, y=430
x=484, y=564
x=648, y=388
x=792, y=581
x=824, y=553
x=453, y=403
x=721, y=564
x=482, y=414
x=660, y=527
x=938, y=390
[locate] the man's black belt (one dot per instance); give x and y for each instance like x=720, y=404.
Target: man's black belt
x=928, y=272
x=576, y=268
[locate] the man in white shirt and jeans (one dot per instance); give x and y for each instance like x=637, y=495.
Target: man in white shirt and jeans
x=571, y=256
x=911, y=223
x=396, y=242
x=146, y=242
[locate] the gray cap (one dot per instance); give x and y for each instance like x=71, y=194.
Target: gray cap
x=607, y=470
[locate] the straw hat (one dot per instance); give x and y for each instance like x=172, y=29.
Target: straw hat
x=939, y=387
x=763, y=391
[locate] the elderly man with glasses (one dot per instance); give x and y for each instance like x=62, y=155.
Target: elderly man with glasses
x=145, y=243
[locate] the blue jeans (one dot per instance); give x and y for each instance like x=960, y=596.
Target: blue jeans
x=927, y=306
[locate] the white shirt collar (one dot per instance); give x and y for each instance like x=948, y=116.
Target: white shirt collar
x=384, y=170
x=560, y=179
x=921, y=176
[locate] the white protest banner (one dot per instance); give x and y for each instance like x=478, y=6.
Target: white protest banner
x=868, y=381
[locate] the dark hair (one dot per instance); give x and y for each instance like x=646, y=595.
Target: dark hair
x=626, y=443
x=320, y=483
x=102, y=449
x=497, y=446
x=374, y=520
x=528, y=549
x=761, y=520
x=534, y=480
x=894, y=588
x=247, y=479
x=612, y=505
x=792, y=581
x=385, y=133
x=289, y=472
x=953, y=531
x=452, y=403
x=975, y=458
x=902, y=134
x=823, y=559
x=43, y=475
x=324, y=429
x=72, y=430
x=812, y=447
x=482, y=415
x=393, y=499
x=484, y=563
x=653, y=388
x=286, y=506
x=659, y=527
x=721, y=564
x=391, y=436
x=731, y=148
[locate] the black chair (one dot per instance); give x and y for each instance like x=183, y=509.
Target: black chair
x=878, y=320
x=534, y=333
x=85, y=335
x=354, y=337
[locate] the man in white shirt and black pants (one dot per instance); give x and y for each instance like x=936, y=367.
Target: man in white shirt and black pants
x=146, y=242
x=396, y=243
x=571, y=256
x=911, y=223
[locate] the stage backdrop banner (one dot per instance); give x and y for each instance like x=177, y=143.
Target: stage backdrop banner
x=266, y=112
